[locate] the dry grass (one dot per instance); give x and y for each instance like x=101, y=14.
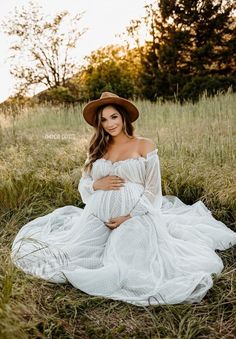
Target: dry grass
x=41, y=153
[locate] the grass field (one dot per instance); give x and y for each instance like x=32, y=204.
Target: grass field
x=42, y=150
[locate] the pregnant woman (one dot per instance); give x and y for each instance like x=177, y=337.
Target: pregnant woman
x=129, y=243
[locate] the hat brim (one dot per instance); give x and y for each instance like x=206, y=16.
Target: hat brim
x=91, y=108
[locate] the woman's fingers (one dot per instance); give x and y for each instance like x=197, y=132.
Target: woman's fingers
x=117, y=182
x=116, y=186
x=111, y=225
x=119, y=185
x=119, y=179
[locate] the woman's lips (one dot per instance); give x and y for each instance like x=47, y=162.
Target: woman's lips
x=110, y=130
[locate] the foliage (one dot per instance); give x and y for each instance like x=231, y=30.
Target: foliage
x=210, y=85
x=187, y=39
x=110, y=69
x=56, y=96
x=189, y=50
x=40, y=47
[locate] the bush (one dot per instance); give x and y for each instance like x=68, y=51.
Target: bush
x=56, y=95
x=210, y=85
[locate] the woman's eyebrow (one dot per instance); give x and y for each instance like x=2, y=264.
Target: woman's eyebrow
x=110, y=115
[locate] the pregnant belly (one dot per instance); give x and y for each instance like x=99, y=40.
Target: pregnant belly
x=114, y=203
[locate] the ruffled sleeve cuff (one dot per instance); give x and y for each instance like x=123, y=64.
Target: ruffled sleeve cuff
x=85, y=187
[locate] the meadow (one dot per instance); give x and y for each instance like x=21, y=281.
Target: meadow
x=42, y=150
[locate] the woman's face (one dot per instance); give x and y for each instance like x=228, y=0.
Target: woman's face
x=111, y=120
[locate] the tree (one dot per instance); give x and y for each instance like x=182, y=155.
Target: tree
x=210, y=27
x=110, y=68
x=187, y=39
x=40, y=49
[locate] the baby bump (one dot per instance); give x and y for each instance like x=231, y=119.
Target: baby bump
x=106, y=204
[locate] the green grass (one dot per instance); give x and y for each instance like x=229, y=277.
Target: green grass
x=42, y=150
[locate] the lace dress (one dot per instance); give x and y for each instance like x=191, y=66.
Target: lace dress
x=164, y=254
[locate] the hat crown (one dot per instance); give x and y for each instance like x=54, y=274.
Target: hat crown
x=108, y=95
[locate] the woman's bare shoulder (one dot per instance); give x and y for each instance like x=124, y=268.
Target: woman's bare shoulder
x=146, y=145
x=143, y=139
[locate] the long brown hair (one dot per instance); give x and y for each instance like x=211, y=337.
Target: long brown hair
x=101, y=139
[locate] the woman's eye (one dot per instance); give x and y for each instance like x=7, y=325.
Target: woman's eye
x=112, y=118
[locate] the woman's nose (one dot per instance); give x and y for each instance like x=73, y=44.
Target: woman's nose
x=110, y=125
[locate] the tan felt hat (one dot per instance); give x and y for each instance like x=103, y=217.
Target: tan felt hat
x=106, y=98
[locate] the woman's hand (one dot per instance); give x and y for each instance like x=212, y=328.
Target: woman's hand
x=115, y=222
x=109, y=182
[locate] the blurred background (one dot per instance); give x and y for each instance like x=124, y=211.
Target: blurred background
x=72, y=51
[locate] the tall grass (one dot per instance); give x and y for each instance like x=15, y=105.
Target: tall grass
x=42, y=150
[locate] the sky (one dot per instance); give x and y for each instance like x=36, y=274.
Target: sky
x=103, y=18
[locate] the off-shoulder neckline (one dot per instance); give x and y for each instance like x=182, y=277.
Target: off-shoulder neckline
x=149, y=154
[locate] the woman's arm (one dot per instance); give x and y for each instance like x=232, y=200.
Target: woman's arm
x=152, y=196
x=85, y=187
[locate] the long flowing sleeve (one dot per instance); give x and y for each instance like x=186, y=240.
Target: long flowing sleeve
x=85, y=187
x=151, y=199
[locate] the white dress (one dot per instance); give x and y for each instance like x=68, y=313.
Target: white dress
x=164, y=254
